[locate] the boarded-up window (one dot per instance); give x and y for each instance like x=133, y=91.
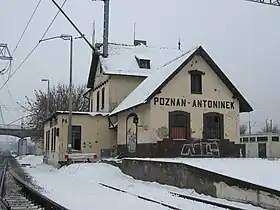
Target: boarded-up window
x=213, y=126
x=179, y=125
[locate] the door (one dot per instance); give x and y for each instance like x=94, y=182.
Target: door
x=262, y=150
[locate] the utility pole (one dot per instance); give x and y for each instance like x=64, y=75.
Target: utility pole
x=106, y=28
x=6, y=56
x=70, y=135
x=48, y=97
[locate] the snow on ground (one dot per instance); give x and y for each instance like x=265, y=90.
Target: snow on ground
x=30, y=159
x=81, y=181
x=258, y=171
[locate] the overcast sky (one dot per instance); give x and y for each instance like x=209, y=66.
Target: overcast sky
x=242, y=37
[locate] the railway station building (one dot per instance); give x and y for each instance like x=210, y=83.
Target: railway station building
x=160, y=102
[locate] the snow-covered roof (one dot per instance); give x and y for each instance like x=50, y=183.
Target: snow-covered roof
x=122, y=61
x=84, y=113
x=151, y=83
x=77, y=113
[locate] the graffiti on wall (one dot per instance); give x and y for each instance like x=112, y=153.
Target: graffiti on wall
x=131, y=141
x=131, y=132
x=201, y=149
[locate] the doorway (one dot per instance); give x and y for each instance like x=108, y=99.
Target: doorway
x=262, y=150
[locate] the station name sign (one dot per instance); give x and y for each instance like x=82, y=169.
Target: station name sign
x=182, y=102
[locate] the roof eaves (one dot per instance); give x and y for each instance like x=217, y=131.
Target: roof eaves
x=114, y=112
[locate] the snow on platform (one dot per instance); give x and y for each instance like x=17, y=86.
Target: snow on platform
x=257, y=171
x=77, y=187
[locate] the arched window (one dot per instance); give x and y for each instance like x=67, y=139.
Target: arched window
x=179, y=125
x=213, y=125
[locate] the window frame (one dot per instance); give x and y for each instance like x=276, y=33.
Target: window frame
x=102, y=98
x=207, y=126
x=98, y=101
x=79, y=135
x=196, y=81
x=176, y=126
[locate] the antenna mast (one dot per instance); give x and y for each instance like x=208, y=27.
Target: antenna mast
x=93, y=34
x=106, y=28
x=134, y=31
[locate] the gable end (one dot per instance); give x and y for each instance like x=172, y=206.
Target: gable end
x=244, y=105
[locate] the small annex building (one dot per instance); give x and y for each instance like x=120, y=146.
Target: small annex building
x=90, y=135
x=166, y=102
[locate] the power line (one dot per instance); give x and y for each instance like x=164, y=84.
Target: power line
x=9, y=92
x=5, y=107
x=28, y=23
x=34, y=48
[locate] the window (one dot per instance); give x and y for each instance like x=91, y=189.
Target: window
x=52, y=134
x=262, y=138
x=196, y=82
x=57, y=131
x=102, y=98
x=275, y=138
x=77, y=137
x=143, y=63
x=48, y=140
x=179, y=125
x=213, y=126
x=245, y=139
x=54, y=139
x=97, y=101
x=91, y=105
x=252, y=139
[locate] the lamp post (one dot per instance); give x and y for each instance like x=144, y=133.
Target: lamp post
x=48, y=96
x=68, y=38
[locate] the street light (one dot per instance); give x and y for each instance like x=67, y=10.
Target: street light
x=48, y=96
x=68, y=38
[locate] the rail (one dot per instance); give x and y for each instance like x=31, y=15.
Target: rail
x=3, y=204
x=35, y=196
x=200, y=200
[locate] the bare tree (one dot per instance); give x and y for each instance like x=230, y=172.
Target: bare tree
x=37, y=107
x=243, y=128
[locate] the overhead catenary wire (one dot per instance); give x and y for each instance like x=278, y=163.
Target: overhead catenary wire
x=26, y=27
x=33, y=49
x=8, y=89
x=8, y=69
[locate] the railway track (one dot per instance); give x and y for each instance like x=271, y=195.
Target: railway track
x=15, y=198
x=187, y=197
x=16, y=194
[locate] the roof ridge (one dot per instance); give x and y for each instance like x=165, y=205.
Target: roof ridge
x=180, y=56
